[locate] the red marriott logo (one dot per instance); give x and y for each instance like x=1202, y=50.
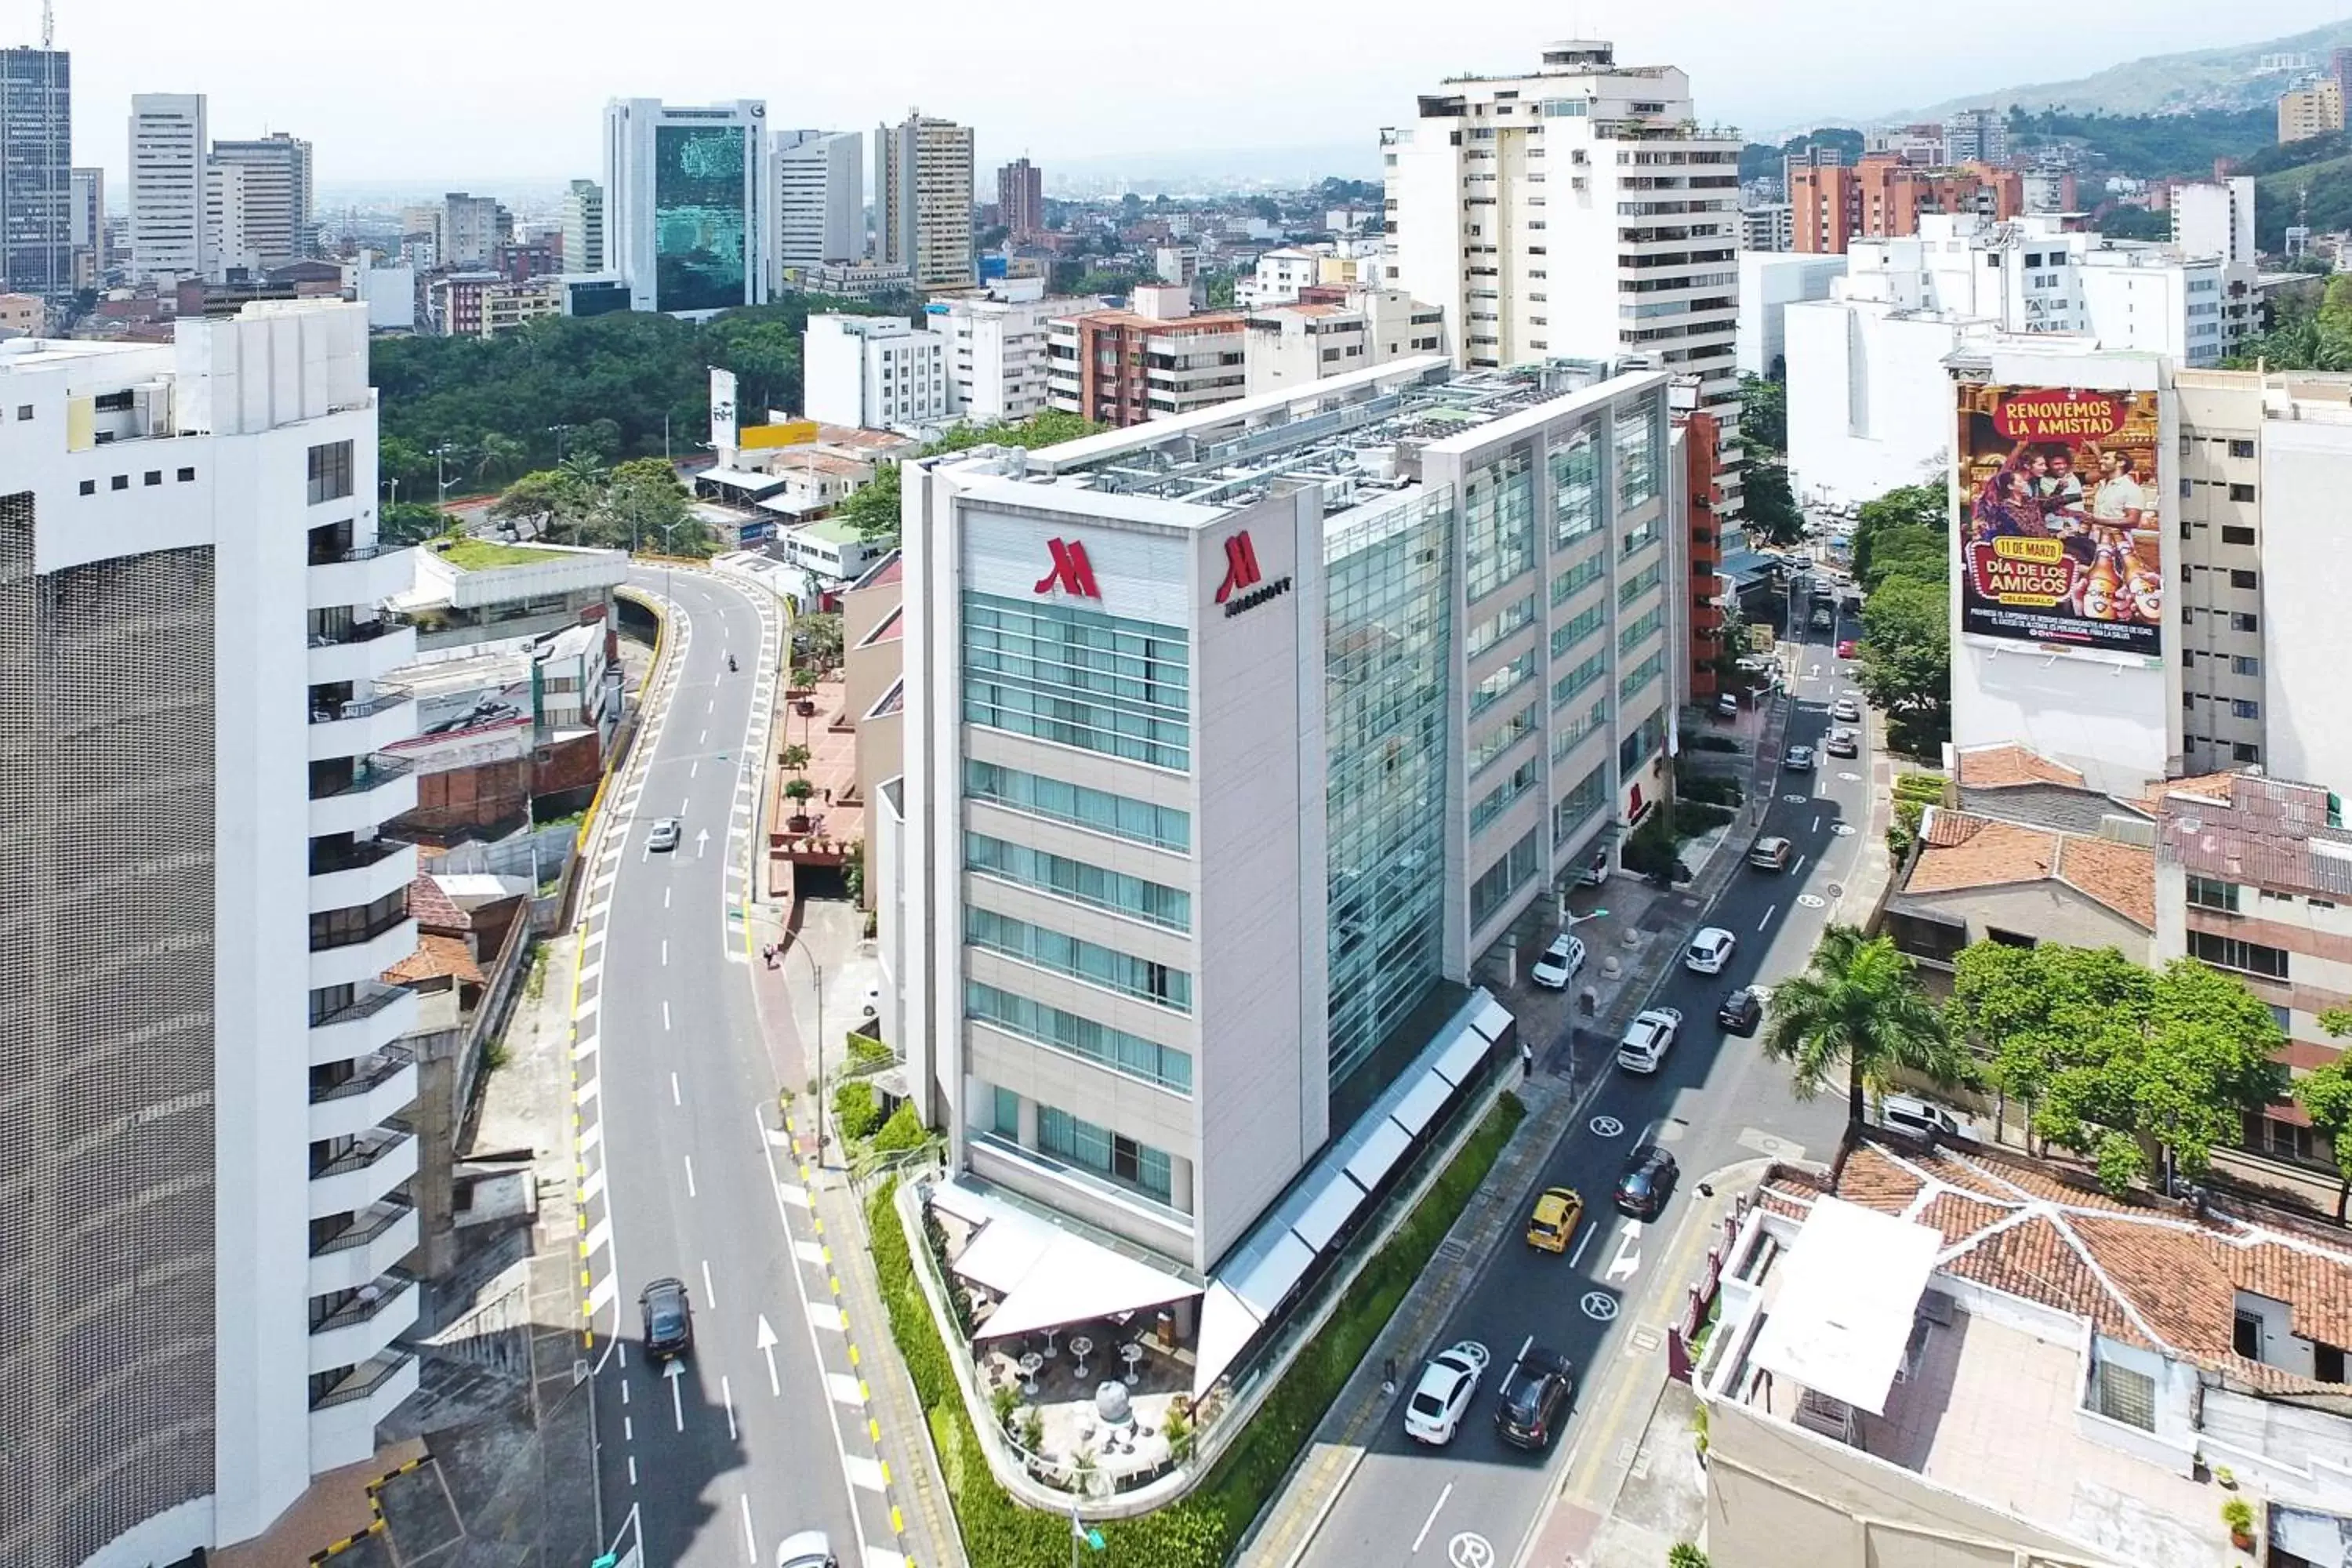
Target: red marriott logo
x=1244, y=587
x=1072, y=572
x=1241, y=566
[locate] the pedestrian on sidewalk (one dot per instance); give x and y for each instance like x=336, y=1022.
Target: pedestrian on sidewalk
x=1388, y=1376
x=1527, y=1061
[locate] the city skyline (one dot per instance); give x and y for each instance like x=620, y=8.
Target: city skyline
x=490, y=121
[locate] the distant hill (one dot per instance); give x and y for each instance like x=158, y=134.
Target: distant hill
x=2302, y=181
x=2203, y=78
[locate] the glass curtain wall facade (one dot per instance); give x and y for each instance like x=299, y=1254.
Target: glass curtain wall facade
x=1388, y=610
x=702, y=221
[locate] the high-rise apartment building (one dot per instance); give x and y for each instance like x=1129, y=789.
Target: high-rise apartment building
x=86, y=226
x=997, y=354
x=1977, y=136
x=231, y=247
x=922, y=200
x=2315, y=110
x=1511, y=195
x=874, y=370
x=167, y=187
x=583, y=227
x=820, y=206
x=35, y=155
x=2215, y=217
x=1152, y=361
x=280, y=198
x=1021, y=198
x=1883, y=197
x=686, y=193
x=205, y=1171
x=471, y=227
x=1234, y=744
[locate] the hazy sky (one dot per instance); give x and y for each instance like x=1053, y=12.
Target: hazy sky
x=443, y=90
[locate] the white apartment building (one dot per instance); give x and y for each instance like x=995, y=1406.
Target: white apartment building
x=686, y=204
x=996, y=353
x=1866, y=398
x=229, y=242
x=1769, y=282
x=470, y=227
x=1234, y=743
x=86, y=224
x=1511, y=196
x=279, y=201
x=922, y=200
x=1767, y=227
x=584, y=227
x=874, y=372
x=167, y=187
x=1278, y=277
x=203, y=1091
x=1285, y=345
x=2215, y=217
x=820, y=201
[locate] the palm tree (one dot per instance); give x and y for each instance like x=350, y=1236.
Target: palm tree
x=496, y=454
x=1857, y=1004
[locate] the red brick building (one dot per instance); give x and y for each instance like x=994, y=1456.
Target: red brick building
x=1701, y=446
x=1882, y=198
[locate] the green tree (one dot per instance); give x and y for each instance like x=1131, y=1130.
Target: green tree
x=1857, y=1013
x=873, y=509
x=644, y=507
x=1908, y=511
x=1220, y=289
x=2325, y=1095
x=1768, y=504
x=547, y=499
x=497, y=455
x=1906, y=651
x=411, y=522
x=2025, y=1010
x=1265, y=207
x=1764, y=414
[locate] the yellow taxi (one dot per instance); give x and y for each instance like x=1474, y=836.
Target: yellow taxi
x=1555, y=1219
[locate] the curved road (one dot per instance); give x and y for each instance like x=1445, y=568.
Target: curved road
x=1714, y=1102
x=684, y=1173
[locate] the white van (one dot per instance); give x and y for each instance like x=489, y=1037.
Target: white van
x=1923, y=1119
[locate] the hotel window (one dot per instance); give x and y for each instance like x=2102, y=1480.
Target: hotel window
x=1501, y=683
x=1105, y=1154
x=1515, y=869
x=1500, y=625
x=1008, y=1114
x=1145, y=979
x=1078, y=881
x=1077, y=678
x=1514, y=728
x=1575, y=488
x=1583, y=575
x=1162, y=1066
x=1568, y=633
x=1491, y=804
x=1498, y=535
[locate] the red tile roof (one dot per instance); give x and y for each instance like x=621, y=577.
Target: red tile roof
x=434, y=910
x=1992, y=767
x=436, y=958
x=2148, y=1272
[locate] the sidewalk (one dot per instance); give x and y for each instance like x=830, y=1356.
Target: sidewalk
x=1555, y=1100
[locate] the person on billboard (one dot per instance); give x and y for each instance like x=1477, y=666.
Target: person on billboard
x=2006, y=507
x=2119, y=500
x=2060, y=487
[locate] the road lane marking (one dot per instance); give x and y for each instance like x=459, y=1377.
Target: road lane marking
x=700, y=739
x=866, y=1474
x=676, y=1378
x=689, y=1177
x=665, y=898
x=683, y=804
x=673, y=1088
x=665, y=1015
x=727, y=1398
x=625, y=1392
x=843, y=1388
x=632, y=1469
x=665, y=952
x=603, y=1294
x=1577, y=1256
x=1427, y=1523
x=1801, y=860
x=809, y=1252
x=710, y=1296
x=751, y=1541
x=792, y=1193
x=592, y=1185
x=1628, y=1261
x=696, y=766
x=1769, y=912
x=1817, y=822
x=587, y=1092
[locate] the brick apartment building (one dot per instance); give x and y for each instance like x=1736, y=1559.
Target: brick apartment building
x=1698, y=436
x=1151, y=362
x=1881, y=196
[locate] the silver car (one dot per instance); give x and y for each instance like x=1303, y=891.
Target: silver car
x=665, y=835
x=809, y=1549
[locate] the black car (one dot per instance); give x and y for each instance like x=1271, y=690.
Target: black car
x=668, y=1318
x=1647, y=1183
x=1532, y=1404
x=1741, y=1012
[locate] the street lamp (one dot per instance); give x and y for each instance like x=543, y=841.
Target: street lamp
x=560, y=432
x=441, y=480
x=793, y=940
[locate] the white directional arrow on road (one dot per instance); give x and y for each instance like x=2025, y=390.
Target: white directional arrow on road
x=768, y=1349
x=1629, y=1252
x=677, y=1395
x=701, y=843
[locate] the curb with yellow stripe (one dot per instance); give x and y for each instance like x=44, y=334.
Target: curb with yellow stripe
x=376, y=1525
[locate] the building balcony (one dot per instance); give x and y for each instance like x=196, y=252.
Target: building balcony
x=366, y=574
x=379, y=788
x=380, y=1015
x=384, y=1086
x=366, y=1172
x=344, y=1417
x=359, y=873
x=364, y=1326
x=358, y=962
x=379, y=1236
x=362, y=725
x=366, y=651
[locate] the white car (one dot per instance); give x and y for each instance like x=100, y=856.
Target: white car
x=1434, y=1412
x=1559, y=964
x=1647, y=1040
x=1845, y=708
x=665, y=835
x=1709, y=951
x=809, y=1549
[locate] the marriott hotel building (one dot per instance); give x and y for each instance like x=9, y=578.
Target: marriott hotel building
x=1233, y=743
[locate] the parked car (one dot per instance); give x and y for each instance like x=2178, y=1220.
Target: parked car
x=1922, y=1118
x=1559, y=964
x=665, y=833
x=1532, y=1402
x=1709, y=951
x=1434, y=1413
x=809, y=1549
x=1555, y=1219
x=1742, y=1012
x=1846, y=648
x=1726, y=706
x=1800, y=760
x=1770, y=854
x=1842, y=743
x=668, y=1316
x=1845, y=708
x=1648, y=1039
x=1646, y=1183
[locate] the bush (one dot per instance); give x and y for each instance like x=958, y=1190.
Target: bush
x=1201, y=1531
x=901, y=1132
x=1714, y=789
x=855, y=1109
x=867, y=1053
x=2239, y=1515
x=1697, y=815
x=1714, y=743
x=1684, y=1555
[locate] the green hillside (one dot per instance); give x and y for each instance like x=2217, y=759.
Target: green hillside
x=2317, y=193
x=2202, y=78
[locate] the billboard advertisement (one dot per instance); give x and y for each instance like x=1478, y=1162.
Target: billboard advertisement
x=722, y=409
x=2061, y=542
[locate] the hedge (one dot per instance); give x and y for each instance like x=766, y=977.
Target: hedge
x=1201, y=1531
x=857, y=1108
